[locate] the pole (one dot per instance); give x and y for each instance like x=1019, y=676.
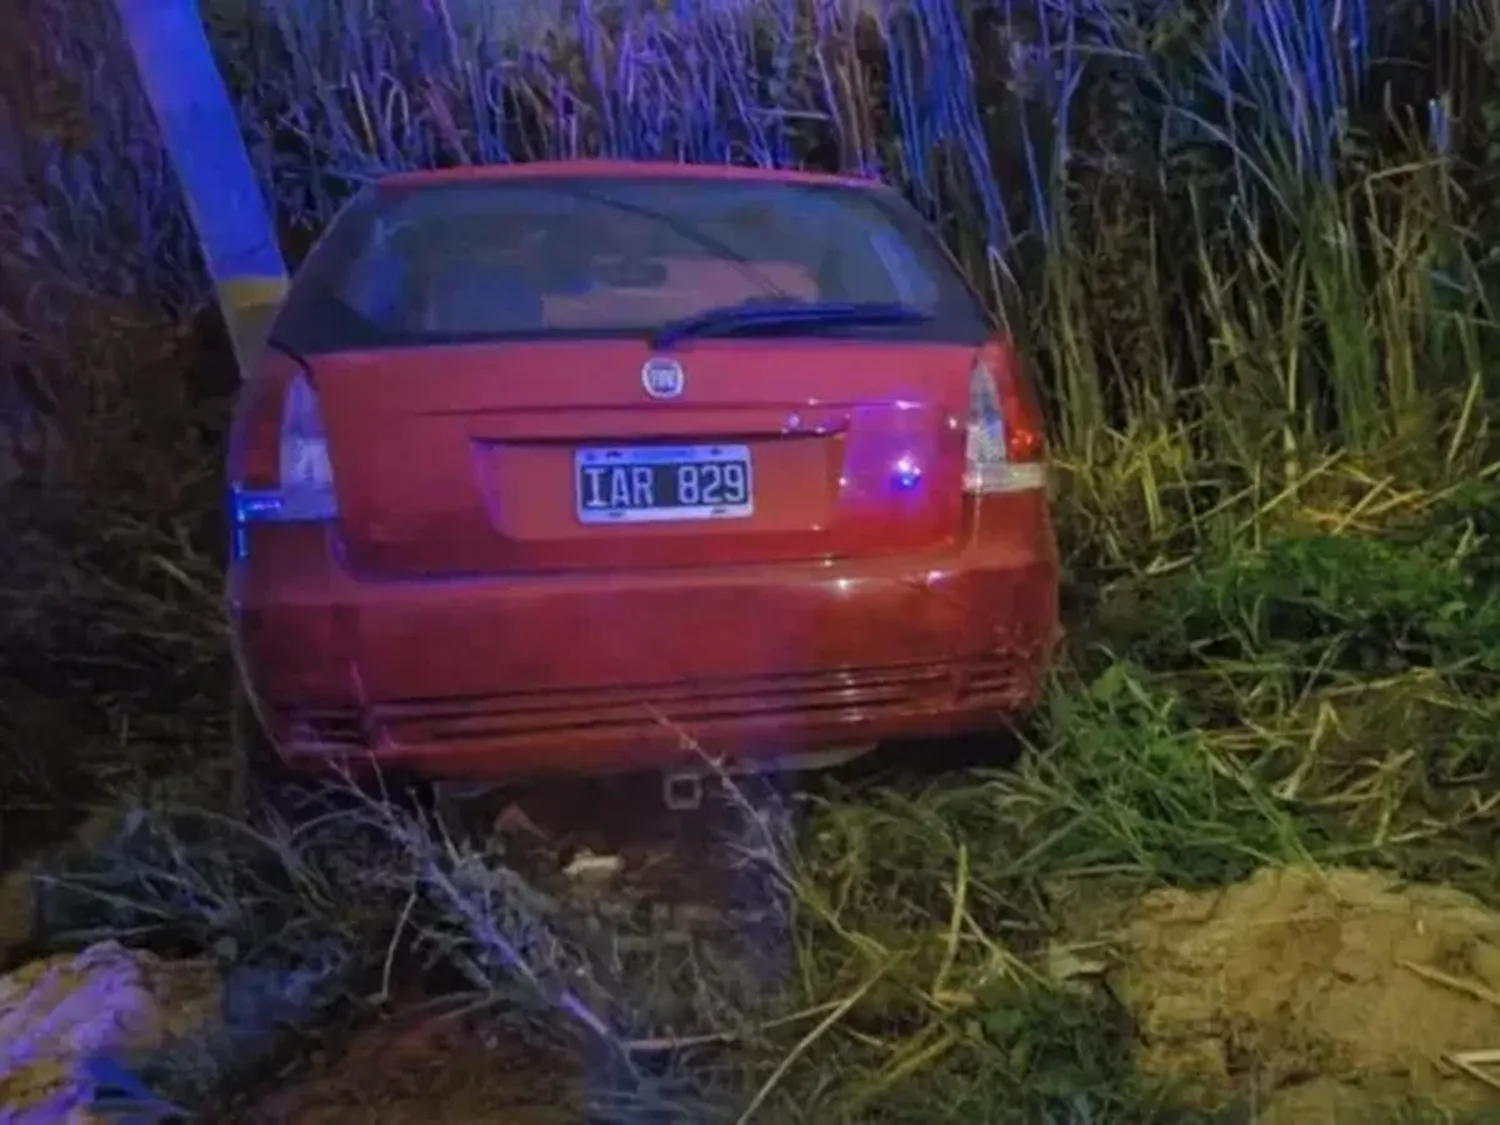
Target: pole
x=201, y=134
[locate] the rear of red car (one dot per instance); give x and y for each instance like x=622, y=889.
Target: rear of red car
x=583, y=473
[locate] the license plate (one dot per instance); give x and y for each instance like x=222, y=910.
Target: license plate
x=659, y=483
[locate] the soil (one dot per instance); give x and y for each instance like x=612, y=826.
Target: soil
x=432, y=1070
x=1315, y=997
x=1297, y=997
x=616, y=862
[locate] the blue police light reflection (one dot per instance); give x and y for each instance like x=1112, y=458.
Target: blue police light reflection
x=906, y=473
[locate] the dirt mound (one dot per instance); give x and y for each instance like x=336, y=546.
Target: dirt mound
x=64, y=1016
x=1318, y=996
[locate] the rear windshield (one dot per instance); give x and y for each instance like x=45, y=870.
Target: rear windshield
x=456, y=263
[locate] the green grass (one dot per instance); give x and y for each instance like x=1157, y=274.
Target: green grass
x=1272, y=391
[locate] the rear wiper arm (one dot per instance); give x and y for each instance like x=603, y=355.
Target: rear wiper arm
x=790, y=314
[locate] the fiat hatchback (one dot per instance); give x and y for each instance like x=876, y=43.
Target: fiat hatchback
x=595, y=467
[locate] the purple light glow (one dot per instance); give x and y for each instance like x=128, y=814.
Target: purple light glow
x=907, y=472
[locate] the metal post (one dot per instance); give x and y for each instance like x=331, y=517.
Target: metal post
x=201, y=134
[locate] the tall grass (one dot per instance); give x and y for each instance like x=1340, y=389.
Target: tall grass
x=1232, y=252
x=1213, y=221
x=1248, y=248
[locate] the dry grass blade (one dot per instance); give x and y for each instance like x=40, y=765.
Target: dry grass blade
x=826, y=1024
x=1473, y=1063
x=1457, y=984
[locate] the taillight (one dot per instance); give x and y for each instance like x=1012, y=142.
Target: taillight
x=1007, y=438
x=281, y=471
x=306, y=471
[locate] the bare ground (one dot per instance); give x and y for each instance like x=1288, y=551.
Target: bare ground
x=1317, y=996
x=432, y=1071
x=1303, y=996
x=645, y=878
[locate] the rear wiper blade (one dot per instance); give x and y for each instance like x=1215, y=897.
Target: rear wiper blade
x=788, y=314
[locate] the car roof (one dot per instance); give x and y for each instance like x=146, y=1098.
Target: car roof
x=615, y=169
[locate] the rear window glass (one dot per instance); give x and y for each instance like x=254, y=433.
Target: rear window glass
x=452, y=263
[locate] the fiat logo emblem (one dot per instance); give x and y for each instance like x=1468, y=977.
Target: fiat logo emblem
x=663, y=378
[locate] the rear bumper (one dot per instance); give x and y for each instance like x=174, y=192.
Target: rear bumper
x=506, y=677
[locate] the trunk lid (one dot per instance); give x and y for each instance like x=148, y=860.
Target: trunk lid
x=551, y=456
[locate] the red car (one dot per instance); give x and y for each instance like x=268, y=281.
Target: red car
x=593, y=467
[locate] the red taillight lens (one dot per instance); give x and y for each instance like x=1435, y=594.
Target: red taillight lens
x=280, y=470
x=1007, y=442
x=306, y=469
